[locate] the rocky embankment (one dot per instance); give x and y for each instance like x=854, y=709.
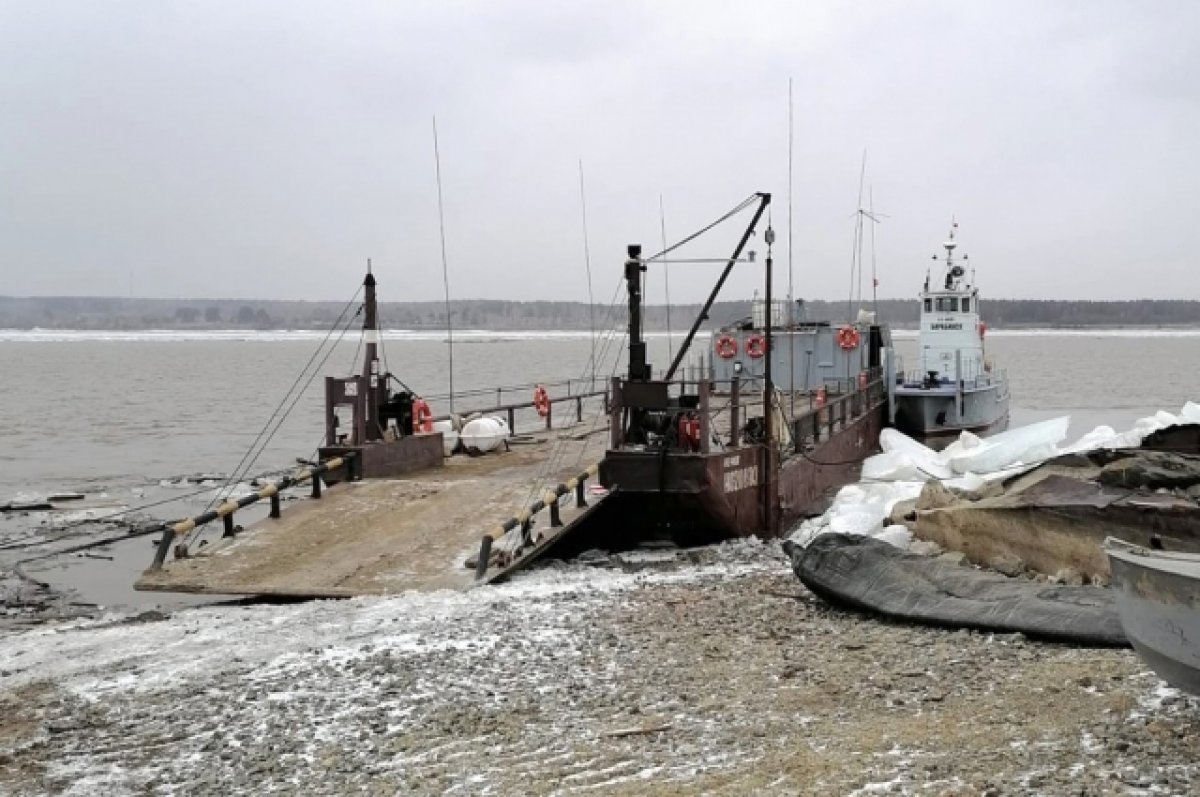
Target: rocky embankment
x=709, y=671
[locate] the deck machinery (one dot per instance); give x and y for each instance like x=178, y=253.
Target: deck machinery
x=698, y=461
x=382, y=436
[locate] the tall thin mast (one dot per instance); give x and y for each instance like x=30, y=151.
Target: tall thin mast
x=791, y=297
x=587, y=262
x=370, y=369
x=769, y=398
x=874, y=277
x=856, y=254
x=437, y=163
x=791, y=294
x=662, y=226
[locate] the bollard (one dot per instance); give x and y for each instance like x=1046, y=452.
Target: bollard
x=276, y=510
x=164, y=546
x=228, y=525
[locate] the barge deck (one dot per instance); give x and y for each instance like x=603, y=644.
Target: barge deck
x=383, y=536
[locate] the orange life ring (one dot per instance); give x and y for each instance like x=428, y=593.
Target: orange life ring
x=541, y=401
x=422, y=416
x=756, y=346
x=847, y=338
x=726, y=347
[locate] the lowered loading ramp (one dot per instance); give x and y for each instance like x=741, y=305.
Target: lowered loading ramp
x=385, y=536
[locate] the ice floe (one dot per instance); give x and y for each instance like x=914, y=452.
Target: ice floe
x=969, y=463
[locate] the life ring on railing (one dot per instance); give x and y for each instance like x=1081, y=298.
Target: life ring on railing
x=982, y=330
x=422, y=416
x=756, y=346
x=847, y=338
x=820, y=402
x=726, y=347
x=541, y=401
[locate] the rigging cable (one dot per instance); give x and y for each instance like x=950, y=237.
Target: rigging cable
x=233, y=476
x=197, y=532
x=748, y=202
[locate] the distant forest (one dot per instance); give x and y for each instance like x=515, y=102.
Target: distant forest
x=99, y=313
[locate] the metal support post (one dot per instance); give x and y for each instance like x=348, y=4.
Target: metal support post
x=485, y=554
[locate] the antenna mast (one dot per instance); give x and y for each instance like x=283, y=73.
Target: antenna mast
x=662, y=225
x=587, y=262
x=791, y=295
x=874, y=274
x=856, y=253
x=437, y=163
x=791, y=305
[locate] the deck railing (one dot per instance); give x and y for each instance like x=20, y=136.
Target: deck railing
x=348, y=463
x=525, y=410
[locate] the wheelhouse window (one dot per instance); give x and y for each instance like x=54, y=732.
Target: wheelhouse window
x=947, y=304
x=929, y=305
x=966, y=305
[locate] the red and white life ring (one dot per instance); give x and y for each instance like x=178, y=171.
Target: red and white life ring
x=541, y=401
x=847, y=338
x=982, y=330
x=756, y=346
x=422, y=416
x=726, y=347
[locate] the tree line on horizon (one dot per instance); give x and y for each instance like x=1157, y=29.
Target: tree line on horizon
x=115, y=313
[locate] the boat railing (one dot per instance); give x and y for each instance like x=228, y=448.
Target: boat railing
x=347, y=467
x=810, y=416
x=853, y=399
x=576, y=393
x=969, y=382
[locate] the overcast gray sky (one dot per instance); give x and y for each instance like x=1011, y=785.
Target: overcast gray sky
x=265, y=149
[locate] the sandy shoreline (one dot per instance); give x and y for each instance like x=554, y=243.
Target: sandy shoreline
x=705, y=671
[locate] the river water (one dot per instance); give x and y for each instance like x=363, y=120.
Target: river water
x=124, y=417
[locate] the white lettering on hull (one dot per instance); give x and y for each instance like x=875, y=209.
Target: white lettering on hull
x=738, y=476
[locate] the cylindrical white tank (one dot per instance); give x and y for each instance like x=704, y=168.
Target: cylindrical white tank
x=484, y=434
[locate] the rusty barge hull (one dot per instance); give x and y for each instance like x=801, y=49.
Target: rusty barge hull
x=697, y=498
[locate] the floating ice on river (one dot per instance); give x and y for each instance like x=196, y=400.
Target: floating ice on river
x=969, y=463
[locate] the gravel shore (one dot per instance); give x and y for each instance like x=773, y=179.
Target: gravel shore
x=704, y=671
